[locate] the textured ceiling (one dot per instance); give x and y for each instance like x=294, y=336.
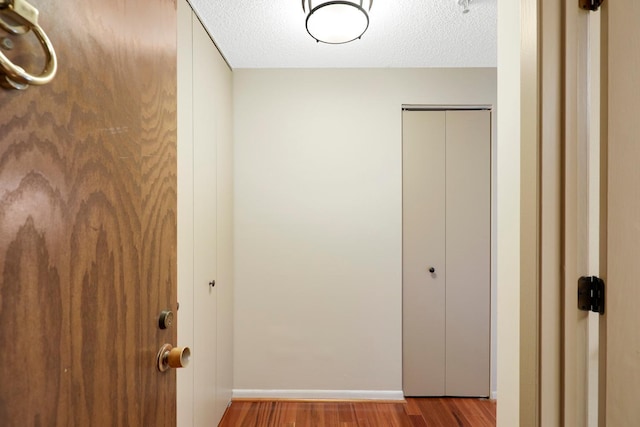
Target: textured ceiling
x=402, y=33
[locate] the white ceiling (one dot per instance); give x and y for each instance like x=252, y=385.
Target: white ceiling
x=402, y=33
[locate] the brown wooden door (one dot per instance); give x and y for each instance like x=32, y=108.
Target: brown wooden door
x=88, y=219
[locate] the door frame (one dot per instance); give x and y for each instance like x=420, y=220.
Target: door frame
x=543, y=100
x=530, y=233
x=493, y=216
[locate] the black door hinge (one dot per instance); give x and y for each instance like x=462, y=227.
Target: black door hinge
x=591, y=294
x=591, y=5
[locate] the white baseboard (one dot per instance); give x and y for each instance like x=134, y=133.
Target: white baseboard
x=494, y=395
x=319, y=394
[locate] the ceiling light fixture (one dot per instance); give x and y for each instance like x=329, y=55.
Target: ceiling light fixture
x=337, y=21
x=465, y=5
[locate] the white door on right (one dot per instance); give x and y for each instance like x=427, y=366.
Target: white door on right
x=621, y=22
x=446, y=252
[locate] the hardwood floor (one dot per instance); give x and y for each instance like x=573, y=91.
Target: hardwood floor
x=415, y=412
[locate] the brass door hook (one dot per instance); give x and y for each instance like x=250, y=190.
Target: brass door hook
x=23, y=17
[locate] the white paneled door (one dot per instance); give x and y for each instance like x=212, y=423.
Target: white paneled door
x=205, y=293
x=205, y=200
x=446, y=252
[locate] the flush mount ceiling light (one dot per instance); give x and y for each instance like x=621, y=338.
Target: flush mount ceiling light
x=337, y=21
x=465, y=5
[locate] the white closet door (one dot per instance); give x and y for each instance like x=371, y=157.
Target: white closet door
x=224, y=232
x=468, y=252
x=204, y=223
x=446, y=227
x=423, y=242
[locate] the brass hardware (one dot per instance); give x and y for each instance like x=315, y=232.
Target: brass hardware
x=173, y=357
x=10, y=24
x=166, y=319
x=22, y=18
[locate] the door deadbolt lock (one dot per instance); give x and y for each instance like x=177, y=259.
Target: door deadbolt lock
x=166, y=319
x=173, y=357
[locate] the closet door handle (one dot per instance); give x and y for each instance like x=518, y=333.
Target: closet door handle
x=432, y=270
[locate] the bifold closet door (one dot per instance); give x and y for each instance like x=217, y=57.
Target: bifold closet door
x=468, y=253
x=204, y=224
x=423, y=247
x=446, y=253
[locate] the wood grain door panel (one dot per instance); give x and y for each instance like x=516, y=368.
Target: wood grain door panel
x=87, y=219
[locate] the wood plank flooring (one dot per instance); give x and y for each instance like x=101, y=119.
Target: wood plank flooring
x=415, y=412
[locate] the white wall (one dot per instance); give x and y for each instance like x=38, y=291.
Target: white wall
x=318, y=224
